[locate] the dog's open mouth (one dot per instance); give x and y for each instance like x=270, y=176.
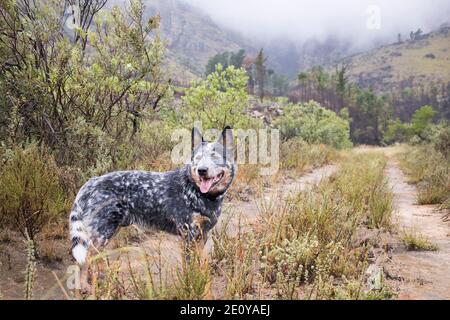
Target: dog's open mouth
x=207, y=183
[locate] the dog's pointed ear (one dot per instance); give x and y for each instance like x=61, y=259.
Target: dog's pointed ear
x=226, y=138
x=197, y=138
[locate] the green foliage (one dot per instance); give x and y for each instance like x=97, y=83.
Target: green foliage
x=193, y=280
x=442, y=141
x=226, y=59
x=397, y=131
x=277, y=84
x=260, y=73
x=83, y=93
x=219, y=100
x=31, y=194
x=421, y=120
x=314, y=124
x=369, y=113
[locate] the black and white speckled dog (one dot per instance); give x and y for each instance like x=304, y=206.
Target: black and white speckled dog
x=187, y=201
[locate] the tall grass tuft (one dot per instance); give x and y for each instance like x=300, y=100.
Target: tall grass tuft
x=193, y=281
x=233, y=257
x=430, y=170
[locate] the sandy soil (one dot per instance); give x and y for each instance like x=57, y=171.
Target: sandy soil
x=426, y=275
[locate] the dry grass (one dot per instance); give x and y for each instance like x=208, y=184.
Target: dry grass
x=311, y=240
x=298, y=156
x=430, y=170
x=417, y=242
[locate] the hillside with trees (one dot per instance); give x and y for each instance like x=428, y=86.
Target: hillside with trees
x=414, y=60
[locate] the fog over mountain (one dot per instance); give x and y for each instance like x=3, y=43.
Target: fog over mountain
x=362, y=21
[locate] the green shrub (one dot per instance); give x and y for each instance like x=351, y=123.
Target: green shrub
x=397, y=131
x=315, y=125
x=82, y=94
x=421, y=121
x=150, y=149
x=31, y=194
x=219, y=100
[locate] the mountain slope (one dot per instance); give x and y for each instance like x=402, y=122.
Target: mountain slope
x=402, y=65
x=191, y=37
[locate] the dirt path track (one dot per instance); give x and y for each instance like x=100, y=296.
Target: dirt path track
x=426, y=275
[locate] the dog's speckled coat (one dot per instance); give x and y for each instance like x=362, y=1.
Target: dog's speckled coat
x=170, y=201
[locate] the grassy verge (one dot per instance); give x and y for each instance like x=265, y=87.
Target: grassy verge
x=430, y=170
x=298, y=156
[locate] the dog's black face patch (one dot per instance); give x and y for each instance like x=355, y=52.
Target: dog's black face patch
x=212, y=166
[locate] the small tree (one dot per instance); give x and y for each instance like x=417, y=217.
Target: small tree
x=260, y=72
x=219, y=100
x=226, y=59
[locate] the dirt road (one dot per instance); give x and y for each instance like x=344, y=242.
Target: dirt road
x=426, y=274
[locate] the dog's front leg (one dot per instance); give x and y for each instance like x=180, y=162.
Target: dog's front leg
x=194, y=233
x=199, y=227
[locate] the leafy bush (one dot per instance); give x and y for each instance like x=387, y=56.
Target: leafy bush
x=31, y=194
x=315, y=125
x=151, y=148
x=397, y=131
x=421, y=121
x=85, y=91
x=219, y=100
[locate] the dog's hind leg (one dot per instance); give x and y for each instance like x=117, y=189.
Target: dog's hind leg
x=100, y=228
x=85, y=274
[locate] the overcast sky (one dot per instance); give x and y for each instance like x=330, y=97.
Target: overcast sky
x=301, y=19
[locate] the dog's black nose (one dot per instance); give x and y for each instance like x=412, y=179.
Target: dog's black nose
x=202, y=171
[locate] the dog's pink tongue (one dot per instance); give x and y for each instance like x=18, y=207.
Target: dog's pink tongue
x=205, y=185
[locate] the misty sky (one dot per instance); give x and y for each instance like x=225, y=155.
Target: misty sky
x=302, y=19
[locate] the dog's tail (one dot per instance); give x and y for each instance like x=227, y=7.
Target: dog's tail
x=78, y=235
